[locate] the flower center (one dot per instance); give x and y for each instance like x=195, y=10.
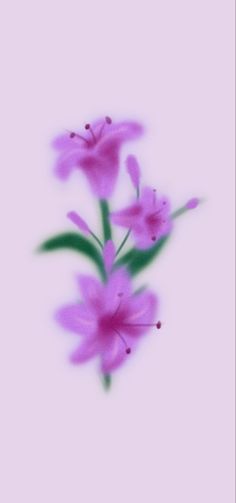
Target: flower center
x=114, y=322
x=94, y=137
x=155, y=220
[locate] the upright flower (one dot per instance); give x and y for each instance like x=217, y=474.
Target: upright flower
x=96, y=152
x=148, y=218
x=110, y=319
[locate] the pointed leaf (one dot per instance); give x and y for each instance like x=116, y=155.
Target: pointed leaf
x=104, y=208
x=75, y=242
x=135, y=260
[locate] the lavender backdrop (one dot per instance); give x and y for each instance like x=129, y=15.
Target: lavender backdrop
x=165, y=433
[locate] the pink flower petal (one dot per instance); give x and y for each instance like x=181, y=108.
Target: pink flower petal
x=101, y=172
x=164, y=205
x=66, y=163
x=133, y=170
x=117, y=288
x=92, y=292
x=127, y=216
x=87, y=350
x=141, y=311
x=76, y=318
x=142, y=239
x=108, y=255
x=113, y=356
x=122, y=131
x=148, y=198
x=66, y=142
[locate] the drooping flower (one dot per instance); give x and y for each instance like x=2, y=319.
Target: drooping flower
x=149, y=218
x=96, y=152
x=110, y=319
x=133, y=169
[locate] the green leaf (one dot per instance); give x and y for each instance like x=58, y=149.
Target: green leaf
x=135, y=260
x=75, y=242
x=123, y=242
x=104, y=207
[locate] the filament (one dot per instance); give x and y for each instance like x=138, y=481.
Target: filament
x=87, y=126
x=127, y=348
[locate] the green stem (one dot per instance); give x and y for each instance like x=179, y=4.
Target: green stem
x=96, y=239
x=179, y=212
x=129, y=231
x=106, y=381
x=104, y=208
x=123, y=242
x=183, y=209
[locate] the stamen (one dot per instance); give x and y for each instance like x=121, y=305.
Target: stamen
x=128, y=349
x=120, y=294
x=157, y=212
x=154, y=196
x=156, y=325
x=72, y=134
x=87, y=126
x=153, y=238
x=107, y=121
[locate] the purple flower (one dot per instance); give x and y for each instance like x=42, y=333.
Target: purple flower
x=149, y=218
x=96, y=152
x=110, y=319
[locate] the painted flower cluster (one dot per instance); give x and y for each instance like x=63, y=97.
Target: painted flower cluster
x=110, y=317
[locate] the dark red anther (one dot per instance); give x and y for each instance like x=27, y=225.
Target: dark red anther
x=72, y=134
x=87, y=126
x=158, y=325
x=128, y=351
x=108, y=120
x=154, y=238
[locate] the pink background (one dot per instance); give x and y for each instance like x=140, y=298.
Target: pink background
x=165, y=432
